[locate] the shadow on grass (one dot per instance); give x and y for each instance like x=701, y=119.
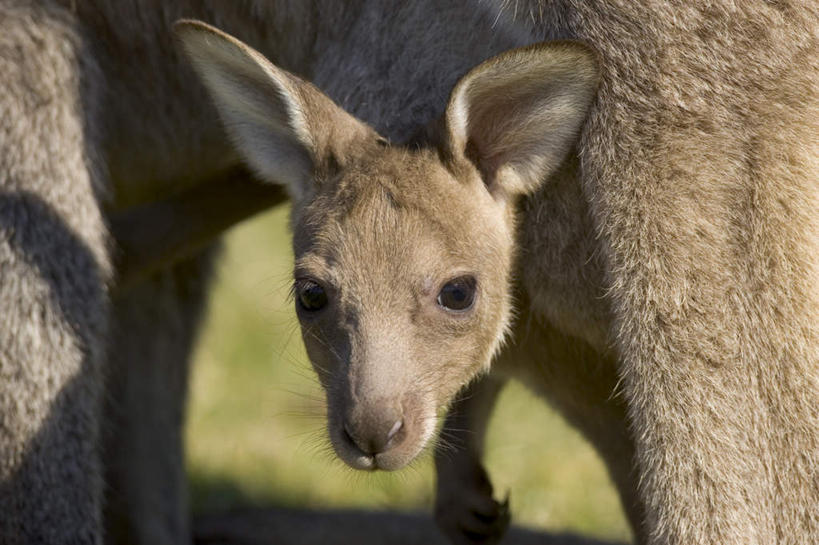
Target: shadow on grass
x=227, y=515
x=286, y=526
x=213, y=493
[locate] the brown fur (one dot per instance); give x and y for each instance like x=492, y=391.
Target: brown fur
x=699, y=169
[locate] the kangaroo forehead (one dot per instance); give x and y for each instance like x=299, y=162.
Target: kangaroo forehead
x=384, y=219
x=394, y=187
x=380, y=227
x=410, y=178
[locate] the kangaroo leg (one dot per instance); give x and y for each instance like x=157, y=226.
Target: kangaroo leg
x=581, y=384
x=464, y=507
x=53, y=273
x=153, y=329
x=578, y=382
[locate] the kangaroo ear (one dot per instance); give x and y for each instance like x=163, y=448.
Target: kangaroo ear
x=285, y=128
x=517, y=115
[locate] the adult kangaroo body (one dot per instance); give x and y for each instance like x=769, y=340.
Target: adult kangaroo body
x=100, y=120
x=667, y=271
x=699, y=178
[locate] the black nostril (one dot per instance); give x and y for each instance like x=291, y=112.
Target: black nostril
x=347, y=435
x=350, y=438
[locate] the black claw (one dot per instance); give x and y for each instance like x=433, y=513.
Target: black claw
x=487, y=519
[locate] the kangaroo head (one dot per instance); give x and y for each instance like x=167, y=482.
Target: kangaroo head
x=403, y=255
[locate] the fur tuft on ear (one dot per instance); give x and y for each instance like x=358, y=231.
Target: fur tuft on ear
x=517, y=115
x=284, y=127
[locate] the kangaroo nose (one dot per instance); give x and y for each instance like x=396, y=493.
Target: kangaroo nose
x=376, y=435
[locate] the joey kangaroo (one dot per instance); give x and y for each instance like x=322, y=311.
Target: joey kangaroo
x=392, y=346
x=669, y=313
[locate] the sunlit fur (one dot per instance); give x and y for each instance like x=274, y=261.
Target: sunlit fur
x=698, y=176
x=384, y=238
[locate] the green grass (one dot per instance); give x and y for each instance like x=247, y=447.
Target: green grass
x=255, y=430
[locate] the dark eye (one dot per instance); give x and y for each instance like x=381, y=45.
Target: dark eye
x=311, y=296
x=457, y=294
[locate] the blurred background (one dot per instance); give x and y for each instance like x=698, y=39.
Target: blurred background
x=255, y=433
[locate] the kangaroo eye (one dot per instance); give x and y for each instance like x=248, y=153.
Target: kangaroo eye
x=311, y=296
x=458, y=294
